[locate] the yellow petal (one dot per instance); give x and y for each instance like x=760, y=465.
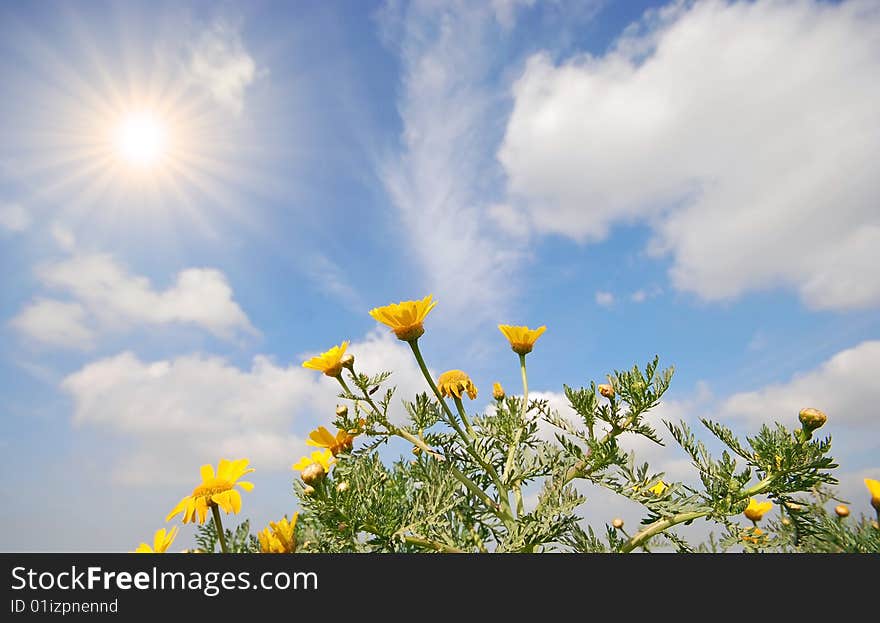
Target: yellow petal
x=181, y=506
x=244, y=484
x=207, y=472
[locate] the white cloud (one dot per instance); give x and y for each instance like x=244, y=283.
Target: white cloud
x=109, y=297
x=605, y=299
x=736, y=130
x=441, y=183
x=220, y=63
x=58, y=323
x=182, y=412
x=844, y=387
x=14, y=218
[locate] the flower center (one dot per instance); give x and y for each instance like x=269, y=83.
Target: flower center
x=210, y=487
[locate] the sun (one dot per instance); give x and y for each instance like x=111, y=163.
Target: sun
x=141, y=139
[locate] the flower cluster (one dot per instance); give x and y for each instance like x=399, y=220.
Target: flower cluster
x=464, y=488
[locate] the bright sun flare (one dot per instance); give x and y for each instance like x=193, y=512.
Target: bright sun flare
x=142, y=140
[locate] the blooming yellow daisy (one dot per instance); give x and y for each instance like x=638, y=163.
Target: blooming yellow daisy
x=330, y=362
x=279, y=537
x=216, y=489
x=453, y=382
x=162, y=540
x=324, y=458
x=322, y=438
x=755, y=510
x=405, y=318
x=521, y=339
x=874, y=489
x=659, y=489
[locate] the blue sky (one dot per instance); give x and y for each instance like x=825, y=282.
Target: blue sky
x=693, y=180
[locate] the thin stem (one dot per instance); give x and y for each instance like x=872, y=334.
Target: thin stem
x=641, y=537
x=464, y=418
x=511, y=453
x=504, y=511
x=391, y=428
x=434, y=545
x=218, y=525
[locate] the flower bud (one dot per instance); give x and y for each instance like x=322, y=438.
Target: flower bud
x=308, y=490
x=348, y=362
x=617, y=522
x=841, y=510
x=342, y=487
x=341, y=410
x=497, y=391
x=786, y=521
x=416, y=450
x=606, y=390
x=313, y=474
x=811, y=419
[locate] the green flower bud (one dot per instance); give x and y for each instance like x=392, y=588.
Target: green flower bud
x=811, y=419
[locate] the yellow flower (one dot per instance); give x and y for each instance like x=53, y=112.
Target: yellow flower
x=405, y=318
x=324, y=458
x=453, y=382
x=322, y=438
x=659, y=489
x=162, y=540
x=874, y=488
x=279, y=537
x=755, y=510
x=521, y=339
x=330, y=362
x=216, y=489
x=497, y=391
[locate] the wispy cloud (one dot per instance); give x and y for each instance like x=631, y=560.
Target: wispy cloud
x=220, y=63
x=445, y=179
x=605, y=299
x=14, y=218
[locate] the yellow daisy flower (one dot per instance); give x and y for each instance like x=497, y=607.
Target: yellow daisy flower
x=279, y=537
x=659, y=489
x=216, y=489
x=521, y=339
x=162, y=540
x=322, y=438
x=405, y=318
x=330, y=362
x=453, y=382
x=755, y=510
x=874, y=489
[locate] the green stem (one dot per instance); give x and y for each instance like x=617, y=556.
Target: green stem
x=391, y=428
x=218, y=525
x=504, y=511
x=464, y=418
x=577, y=469
x=434, y=545
x=511, y=453
x=659, y=526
